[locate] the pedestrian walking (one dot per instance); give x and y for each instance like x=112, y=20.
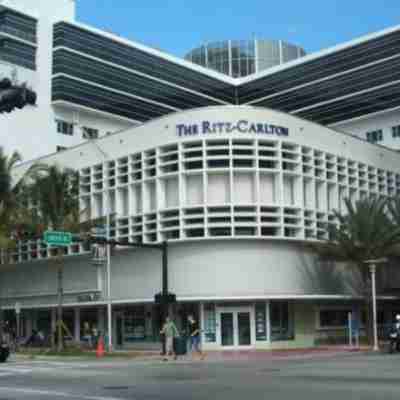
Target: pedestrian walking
x=170, y=332
x=194, y=332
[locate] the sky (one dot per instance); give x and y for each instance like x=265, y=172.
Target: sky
x=177, y=26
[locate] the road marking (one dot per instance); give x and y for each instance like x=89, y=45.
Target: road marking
x=14, y=370
x=50, y=393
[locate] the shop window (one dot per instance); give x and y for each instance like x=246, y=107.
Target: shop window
x=375, y=136
x=282, y=321
x=64, y=127
x=135, y=324
x=261, y=322
x=209, y=323
x=89, y=133
x=333, y=318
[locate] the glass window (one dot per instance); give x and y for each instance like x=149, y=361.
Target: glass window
x=375, y=136
x=252, y=66
x=396, y=131
x=282, y=321
x=261, y=323
x=235, y=49
x=89, y=133
x=252, y=49
x=235, y=68
x=332, y=318
x=209, y=323
x=135, y=324
x=65, y=128
x=243, y=67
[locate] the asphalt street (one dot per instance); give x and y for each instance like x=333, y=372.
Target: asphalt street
x=348, y=376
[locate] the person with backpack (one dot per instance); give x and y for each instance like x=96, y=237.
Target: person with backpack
x=170, y=332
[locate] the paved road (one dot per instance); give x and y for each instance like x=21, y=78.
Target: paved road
x=350, y=376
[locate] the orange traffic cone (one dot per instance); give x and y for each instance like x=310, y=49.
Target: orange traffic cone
x=100, y=348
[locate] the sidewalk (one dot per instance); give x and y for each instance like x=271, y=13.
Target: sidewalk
x=259, y=355
x=225, y=355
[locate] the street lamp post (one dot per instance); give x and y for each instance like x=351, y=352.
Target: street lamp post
x=108, y=222
x=372, y=268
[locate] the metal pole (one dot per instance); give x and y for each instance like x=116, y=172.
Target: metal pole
x=109, y=304
x=18, y=331
x=165, y=268
x=59, y=306
x=108, y=267
x=164, y=302
x=350, y=330
x=372, y=269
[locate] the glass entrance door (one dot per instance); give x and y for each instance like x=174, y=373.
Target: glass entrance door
x=227, y=329
x=235, y=328
x=244, y=329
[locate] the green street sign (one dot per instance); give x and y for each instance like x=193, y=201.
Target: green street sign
x=53, y=238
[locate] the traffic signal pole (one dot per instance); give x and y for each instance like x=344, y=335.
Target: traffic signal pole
x=166, y=297
x=164, y=303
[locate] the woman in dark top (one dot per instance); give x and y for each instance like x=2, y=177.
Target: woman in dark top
x=194, y=332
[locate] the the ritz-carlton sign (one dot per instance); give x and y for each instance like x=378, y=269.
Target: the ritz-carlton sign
x=241, y=126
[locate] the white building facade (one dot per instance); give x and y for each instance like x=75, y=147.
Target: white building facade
x=238, y=193
x=91, y=83
x=239, y=175
x=26, y=56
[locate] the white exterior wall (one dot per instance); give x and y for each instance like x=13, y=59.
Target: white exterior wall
x=54, y=9
x=35, y=283
x=258, y=264
x=384, y=121
x=206, y=270
x=264, y=185
x=32, y=130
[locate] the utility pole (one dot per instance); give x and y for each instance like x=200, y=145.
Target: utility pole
x=60, y=300
x=164, y=298
x=372, y=268
x=106, y=158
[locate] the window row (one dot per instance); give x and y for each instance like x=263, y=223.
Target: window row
x=68, y=128
x=377, y=135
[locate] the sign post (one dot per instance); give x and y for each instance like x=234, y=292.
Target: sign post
x=59, y=239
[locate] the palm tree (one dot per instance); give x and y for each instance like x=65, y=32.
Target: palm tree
x=55, y=192
x=6, y=203
x=7, y=193
x=366, y=231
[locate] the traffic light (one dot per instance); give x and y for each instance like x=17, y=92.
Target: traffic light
x=14, y=96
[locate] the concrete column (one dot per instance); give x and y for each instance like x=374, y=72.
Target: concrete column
x=77, y=324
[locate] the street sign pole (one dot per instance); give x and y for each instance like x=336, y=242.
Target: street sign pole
x=58, y=240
